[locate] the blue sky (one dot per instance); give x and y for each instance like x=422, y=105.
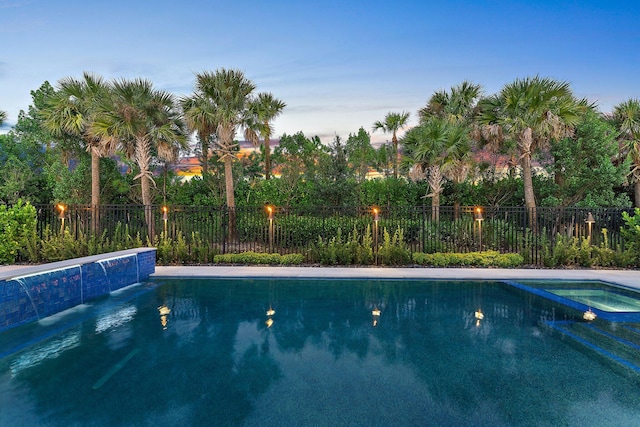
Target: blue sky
x=338, y=65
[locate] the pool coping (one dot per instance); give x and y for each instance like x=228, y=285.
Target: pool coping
x=10, y=271
x=629, y=278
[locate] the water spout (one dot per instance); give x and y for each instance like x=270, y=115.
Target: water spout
x=20, y=281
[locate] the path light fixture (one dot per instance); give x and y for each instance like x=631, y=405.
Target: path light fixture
x=61, y=215
x=479, y=218
x=590, y=221
x=376, y=219
x=270, y=211
x=165, y=218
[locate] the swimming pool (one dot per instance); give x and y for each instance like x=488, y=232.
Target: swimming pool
x=316, y=352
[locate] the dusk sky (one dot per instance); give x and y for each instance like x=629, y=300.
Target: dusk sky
x=339, y=65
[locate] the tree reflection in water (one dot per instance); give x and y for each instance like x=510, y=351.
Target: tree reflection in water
x=199, y=352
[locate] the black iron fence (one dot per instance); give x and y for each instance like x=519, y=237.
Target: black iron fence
x=295, y=230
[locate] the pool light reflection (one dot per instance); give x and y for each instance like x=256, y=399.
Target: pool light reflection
x=589, y=315
x=270, y=313
x=376, y=316
x=164, y=312
x=479, y=315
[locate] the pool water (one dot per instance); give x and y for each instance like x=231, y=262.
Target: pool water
x=600, y=299
x=313, y=352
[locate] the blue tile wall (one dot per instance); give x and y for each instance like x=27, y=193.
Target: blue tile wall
x=54, y=291
x=146, y=264
x=120, y=271
x=15, y=305
x=94, y=281
x=28, y=298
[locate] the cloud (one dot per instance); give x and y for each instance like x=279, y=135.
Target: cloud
x=5, y=4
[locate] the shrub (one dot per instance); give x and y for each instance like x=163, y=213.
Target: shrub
x=475, y=259
x=18, y=231
x=394, y=250
x=58, y=246
x=337, y=251
x=259, y=258
x=631, y=233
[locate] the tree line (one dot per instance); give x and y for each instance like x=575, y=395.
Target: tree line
x=92, y=141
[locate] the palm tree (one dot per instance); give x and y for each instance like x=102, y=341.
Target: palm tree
x=458, y=105
x=229, y=93
x=531, y=112
x=3, y=117
x=266, y=108
x=393, y=122
x=145, y=122
x=442, y=149
x=199, y=114
x=626, y=118
x=72, y=110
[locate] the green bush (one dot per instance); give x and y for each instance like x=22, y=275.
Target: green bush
x=58, y=246
x=18, y=231
x=570, y=251
x=631, y=233
x=336, y=251
x=259, y=258
x=470, y=259
x=394, y=250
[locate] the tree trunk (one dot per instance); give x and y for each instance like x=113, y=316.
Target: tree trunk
x=636, y=188
x=267, y=158
x=231, y=201
x=95, y=192
x=396, y=156
x=146, y=201
x=529, y=196
x=435, y=207
x=143, y=158
x=204, y=160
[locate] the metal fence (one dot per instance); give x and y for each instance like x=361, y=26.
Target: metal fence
x=294, y=230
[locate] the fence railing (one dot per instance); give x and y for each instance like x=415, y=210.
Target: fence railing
x=295, y=230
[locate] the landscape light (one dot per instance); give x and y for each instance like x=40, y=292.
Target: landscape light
x=270, y=210
x=479, y=219
x=376, y=219
x=590, y=221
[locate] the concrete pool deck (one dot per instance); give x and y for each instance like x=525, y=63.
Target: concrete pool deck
x=630, y=278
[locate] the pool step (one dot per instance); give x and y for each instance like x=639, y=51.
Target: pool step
x=620, y=344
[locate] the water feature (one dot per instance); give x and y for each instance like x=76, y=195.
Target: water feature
x=37, y=292
x=316, y=352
